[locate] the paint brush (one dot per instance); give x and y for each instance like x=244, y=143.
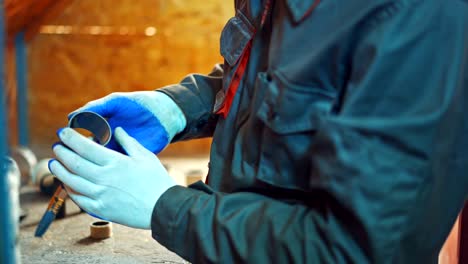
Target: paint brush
x=56, y=202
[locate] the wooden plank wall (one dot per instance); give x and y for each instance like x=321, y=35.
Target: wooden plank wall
x=449, y=252
x=10, y=92
x=455, y=248
x=463, y=236
x=68, y=70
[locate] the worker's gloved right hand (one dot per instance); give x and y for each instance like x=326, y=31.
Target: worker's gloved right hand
x=151, y=117
x=120, y=188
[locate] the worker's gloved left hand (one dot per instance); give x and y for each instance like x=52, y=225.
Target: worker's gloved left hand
x=151, y=117
x=120, y=188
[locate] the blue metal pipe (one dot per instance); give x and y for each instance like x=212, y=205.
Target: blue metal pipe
x=22, y=94
x=7, y=242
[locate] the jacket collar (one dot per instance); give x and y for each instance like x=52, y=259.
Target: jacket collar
x=300, y=9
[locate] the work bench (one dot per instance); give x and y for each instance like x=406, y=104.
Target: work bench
x=67, y=240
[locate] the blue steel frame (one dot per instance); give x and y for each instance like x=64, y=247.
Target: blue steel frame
x=7, y=242
x=22, y=94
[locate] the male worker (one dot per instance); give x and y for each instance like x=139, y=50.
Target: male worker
x=339, y=131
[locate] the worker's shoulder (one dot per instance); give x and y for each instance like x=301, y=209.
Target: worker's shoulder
x=409, y=3
x=445, y=12
x=453, y=7
x=382, y=10
x=376, y=6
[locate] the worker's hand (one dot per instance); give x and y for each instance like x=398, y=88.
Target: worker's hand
x=120, y=188
x=152, y=118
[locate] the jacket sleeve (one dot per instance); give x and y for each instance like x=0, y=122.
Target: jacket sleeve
x=195, y=95
x=381, y=165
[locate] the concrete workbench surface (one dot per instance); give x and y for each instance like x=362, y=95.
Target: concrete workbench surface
x=67, y=240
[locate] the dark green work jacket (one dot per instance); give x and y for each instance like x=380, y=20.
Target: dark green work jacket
x=346, y=142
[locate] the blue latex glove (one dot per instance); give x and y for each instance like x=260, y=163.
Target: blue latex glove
x=123, y=189
x=152, y=118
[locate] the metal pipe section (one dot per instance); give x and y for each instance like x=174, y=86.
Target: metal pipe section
x=7, y=243
x=94, y=123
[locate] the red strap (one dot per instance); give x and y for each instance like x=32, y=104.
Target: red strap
x=239, y=73
x=309, y=11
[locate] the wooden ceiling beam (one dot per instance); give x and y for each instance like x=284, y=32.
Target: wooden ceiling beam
x=52, y=11
x=29, y=15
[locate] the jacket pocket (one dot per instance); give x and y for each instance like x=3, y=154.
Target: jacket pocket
x=290, y=108
x=289, y=116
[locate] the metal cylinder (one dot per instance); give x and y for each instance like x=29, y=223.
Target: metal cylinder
x=25, y=159
x=93, y=123
x=100, y=230
x=14, y=182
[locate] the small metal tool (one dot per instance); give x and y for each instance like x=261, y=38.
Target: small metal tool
x=58, y=199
